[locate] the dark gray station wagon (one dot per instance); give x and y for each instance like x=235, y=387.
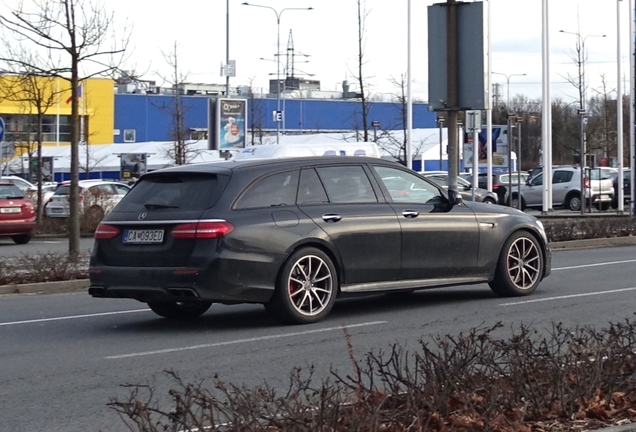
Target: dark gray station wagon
x=295, y=234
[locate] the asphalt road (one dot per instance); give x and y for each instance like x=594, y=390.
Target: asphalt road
x=64, y=356
x=41, y=245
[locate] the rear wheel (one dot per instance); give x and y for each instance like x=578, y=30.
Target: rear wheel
x=518, y=204
x=21, y=239
x=489, y=201
x=306, y=288
x=573, y=202
x=602, y=206
x=520, y=266
x=179, y=310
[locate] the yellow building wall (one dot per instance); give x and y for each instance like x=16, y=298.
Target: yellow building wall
x=97, y=103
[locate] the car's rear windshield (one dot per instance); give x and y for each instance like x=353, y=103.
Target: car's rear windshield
x=174, y=191
x=10, y=191
x=595, y=174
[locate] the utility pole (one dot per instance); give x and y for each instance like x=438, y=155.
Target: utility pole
x=453, y=111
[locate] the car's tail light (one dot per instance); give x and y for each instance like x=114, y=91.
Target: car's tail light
x=106, y=232
x=495, y=186
x=586, y=183
x=28, y=209
x=202, y=230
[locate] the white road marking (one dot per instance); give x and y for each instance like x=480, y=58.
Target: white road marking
x=593, y=265
x=72, y=317
x=240, y=341
x=569, y=296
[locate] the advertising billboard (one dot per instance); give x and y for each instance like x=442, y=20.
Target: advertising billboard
x=499, y=149
x=133, y=165
x=231, y=123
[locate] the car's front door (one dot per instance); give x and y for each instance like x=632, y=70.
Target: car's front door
x=438, y=240
x=364, y=229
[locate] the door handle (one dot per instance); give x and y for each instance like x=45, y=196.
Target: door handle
x=410, y=213
x=331, y=217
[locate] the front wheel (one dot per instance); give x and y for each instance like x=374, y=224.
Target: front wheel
x=489, y=201
x=517, y=203
x=520, y=266
x=179, y=310
x=306, y=288
x=21, y=239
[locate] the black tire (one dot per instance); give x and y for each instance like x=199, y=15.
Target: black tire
x=520, y=266
x=306, y=288
x=180, y=310
x=21, y=239
x=573, y=202
x=514, y=203
x=602, y=206
x=489, y=201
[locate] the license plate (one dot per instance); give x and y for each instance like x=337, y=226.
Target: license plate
x=10, y=210
x=144, y=236
x=57, y=210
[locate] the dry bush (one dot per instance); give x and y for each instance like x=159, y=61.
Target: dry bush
x=568, y=380
x=46, y=267
x=575, y=228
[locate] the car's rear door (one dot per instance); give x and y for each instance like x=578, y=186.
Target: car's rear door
x=438, y=240
x=364, y=229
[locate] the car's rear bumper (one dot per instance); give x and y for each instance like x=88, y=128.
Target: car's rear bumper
x=18, y=227
x=170, y=284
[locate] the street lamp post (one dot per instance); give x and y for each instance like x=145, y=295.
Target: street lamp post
x=278, y=15
x=508, y=85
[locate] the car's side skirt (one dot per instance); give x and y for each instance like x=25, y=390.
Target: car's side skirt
x=417, y=283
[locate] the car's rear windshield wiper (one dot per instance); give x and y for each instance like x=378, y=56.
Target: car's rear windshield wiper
x=158, y=206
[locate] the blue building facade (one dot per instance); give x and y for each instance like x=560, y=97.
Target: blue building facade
x=142, y=118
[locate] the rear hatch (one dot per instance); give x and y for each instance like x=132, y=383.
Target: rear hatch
x=158, y=222
x=14, y=206
x=600, y=182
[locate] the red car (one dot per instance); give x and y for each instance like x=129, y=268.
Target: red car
x=17, y=214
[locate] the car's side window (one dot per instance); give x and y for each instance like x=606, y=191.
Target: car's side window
x=538, y=180
x=347, y=184
x=561, y=177
x=121, y=190
x=310, y=189
x=406, y=187
x=274, y=190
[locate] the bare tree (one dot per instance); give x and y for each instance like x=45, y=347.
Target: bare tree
x=359, y=76
x=180, y=151
x=36, y=95
x=69, y=39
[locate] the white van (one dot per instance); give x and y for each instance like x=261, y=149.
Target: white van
x=275, y=151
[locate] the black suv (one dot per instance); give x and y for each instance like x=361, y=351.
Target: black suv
x=294, y=234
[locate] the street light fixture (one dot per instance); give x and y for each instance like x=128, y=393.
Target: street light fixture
x=278, y=15
x=508, y=85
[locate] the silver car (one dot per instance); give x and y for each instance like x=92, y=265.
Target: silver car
x=566, y=189
x=464, y=187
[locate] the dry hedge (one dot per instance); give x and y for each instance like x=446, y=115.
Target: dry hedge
x=571, y=379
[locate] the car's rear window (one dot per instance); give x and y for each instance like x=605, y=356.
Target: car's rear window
x=10, y=191
x=174, y=191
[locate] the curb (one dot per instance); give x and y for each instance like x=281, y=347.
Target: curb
x=593, y=243
x=71, y=286
x=629, y=427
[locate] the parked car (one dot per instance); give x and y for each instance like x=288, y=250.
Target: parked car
x=626, y=185
x=464, y=187
x=500, y=183
x=294, y=234
x=566, y=189
x=26, y=187
x=97, y=198
x=17, y=214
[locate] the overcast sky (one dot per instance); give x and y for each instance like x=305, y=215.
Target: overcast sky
x=328, y=35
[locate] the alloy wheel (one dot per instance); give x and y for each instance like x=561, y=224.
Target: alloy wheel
x=310, y=285
x=524, y=260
